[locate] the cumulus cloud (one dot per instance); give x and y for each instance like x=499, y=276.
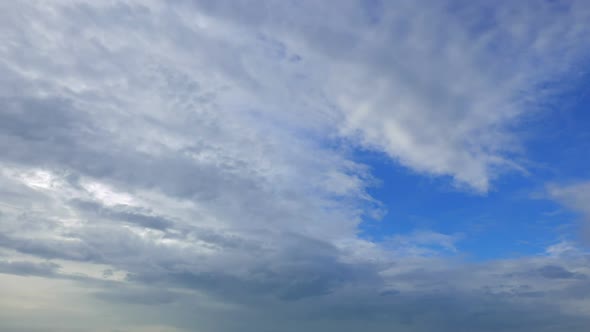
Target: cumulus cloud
x=191, y=162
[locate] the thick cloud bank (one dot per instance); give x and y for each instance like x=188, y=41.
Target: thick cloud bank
x=187, y=165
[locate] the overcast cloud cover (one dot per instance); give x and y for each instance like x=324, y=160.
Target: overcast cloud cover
x=194, y=165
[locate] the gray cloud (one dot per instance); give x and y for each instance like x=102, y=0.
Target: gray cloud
x=48, y=248
x=125, y=215
x=137, y=296
x=558, y=272
x=45, y=269
x=190, y=162
x=575, y=197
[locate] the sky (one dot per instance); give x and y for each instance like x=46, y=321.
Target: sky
x=278, y=165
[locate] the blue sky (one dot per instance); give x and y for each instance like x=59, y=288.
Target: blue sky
x=219, y=166
x=516, y=217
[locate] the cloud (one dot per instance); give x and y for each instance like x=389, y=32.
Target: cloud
x=575, y=197
x=45, y=269
x=438, y=88
x=195, y=159
x=137, y=296
x=557, y=272
x=422, y=243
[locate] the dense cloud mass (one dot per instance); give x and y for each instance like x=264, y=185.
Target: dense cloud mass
x=189, y=165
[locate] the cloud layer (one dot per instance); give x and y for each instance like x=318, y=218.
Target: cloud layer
x=189, y=165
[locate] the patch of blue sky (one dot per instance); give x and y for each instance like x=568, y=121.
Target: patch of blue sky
x=516, y=217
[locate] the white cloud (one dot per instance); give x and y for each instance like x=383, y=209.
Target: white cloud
x=437, y=87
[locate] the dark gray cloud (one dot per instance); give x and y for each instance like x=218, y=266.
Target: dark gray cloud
x=24, y=268
x=50, y=248
x=558, y=272
x=123, y=214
